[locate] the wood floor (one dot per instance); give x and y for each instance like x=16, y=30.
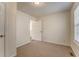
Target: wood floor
x=43, y=49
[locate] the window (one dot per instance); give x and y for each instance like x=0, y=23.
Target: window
x=76, y=23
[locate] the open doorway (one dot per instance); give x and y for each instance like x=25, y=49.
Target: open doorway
x=36, y=29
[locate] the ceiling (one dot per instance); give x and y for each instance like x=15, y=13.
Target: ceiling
x=44, y=9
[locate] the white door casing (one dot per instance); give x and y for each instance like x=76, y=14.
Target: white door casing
x=2, y=12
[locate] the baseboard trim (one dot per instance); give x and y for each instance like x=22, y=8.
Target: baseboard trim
x=56, y=43
x=22, y=43
x=73, y=51
x=13, y=55
x=36, y=40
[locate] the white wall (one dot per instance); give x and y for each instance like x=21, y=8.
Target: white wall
x=74, y=44
x=36, y=29
x=10, y=29
x=22, y=28
x=56, y=28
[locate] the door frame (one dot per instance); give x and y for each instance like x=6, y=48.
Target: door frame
x=4, y=12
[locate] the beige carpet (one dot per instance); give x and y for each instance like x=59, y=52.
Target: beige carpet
x=43, y=49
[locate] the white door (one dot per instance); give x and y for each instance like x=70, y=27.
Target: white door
x=1, y=29
x=36, y=32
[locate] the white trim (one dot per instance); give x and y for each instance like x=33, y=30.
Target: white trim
x=22, y=43
x=13, y=55
x=75, y=42
x=57, y=43
x=73, y=51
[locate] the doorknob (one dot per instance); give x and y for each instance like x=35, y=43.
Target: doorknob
x=1, y=36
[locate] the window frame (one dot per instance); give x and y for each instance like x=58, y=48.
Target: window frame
x=75, y=40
